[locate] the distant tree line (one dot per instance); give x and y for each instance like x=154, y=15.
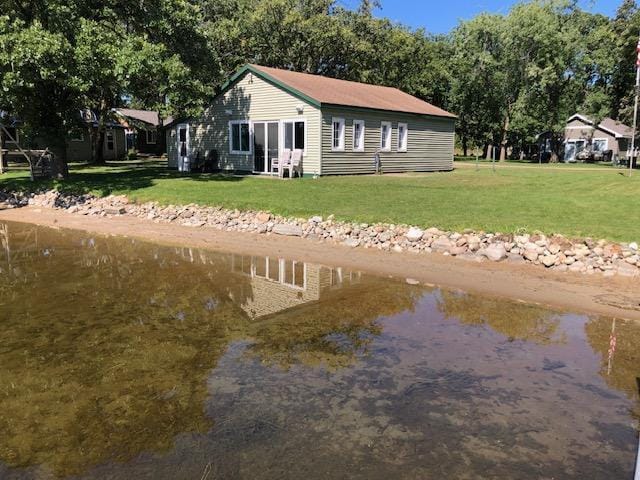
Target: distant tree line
x=507, y=77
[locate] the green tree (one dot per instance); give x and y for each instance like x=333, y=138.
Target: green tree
x=59, y=57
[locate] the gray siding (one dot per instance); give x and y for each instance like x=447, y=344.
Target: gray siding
x=429, y=148
x=80, y=150
x=250, y=99
x=578, y=130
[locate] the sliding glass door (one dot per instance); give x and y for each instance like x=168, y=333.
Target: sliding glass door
x=266, y=145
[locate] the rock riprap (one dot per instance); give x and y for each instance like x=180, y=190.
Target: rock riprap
x=555, y=252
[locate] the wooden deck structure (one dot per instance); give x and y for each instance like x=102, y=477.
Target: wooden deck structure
x=39, y=160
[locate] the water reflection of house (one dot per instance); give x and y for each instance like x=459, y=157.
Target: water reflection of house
x=278, y=284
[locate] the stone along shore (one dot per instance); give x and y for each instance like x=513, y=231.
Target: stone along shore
x=555, y=252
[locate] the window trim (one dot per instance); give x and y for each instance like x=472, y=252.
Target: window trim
x=294, y=264
x=149, y=142
x=389, y=137
x=294, y=121
x=362, y=136
x=340, y=147
x=110, y=133
x=606, y=143
x=403, y=147
x=250, y=129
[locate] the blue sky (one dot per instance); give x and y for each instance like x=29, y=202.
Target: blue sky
x=440, y=16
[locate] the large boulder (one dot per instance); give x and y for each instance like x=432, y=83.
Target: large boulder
x=549, y=260
x=287, y=229
x=495, y=252
x=263, y=217
x=414, y=234
x=442, y=244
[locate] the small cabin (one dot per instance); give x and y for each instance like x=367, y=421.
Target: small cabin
x=338, y=126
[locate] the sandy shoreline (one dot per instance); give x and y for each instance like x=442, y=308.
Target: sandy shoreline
x=592, y=294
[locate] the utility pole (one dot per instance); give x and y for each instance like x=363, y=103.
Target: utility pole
x=635, y=109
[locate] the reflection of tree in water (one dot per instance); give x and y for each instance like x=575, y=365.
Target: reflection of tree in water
x=119, y=364
x=515, y=320
x=333, y=331
x=620, y=358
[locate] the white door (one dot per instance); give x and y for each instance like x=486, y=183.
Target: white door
x=183, y=148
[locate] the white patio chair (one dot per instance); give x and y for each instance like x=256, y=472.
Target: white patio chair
x=296, y=163
x=281, y=163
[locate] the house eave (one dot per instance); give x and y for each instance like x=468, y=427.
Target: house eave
x=584, y=119
x=267, y=78
x=388, y=111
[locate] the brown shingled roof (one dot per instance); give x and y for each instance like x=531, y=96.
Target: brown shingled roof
x=616, y=128
x=147, y=116
x=332, y=91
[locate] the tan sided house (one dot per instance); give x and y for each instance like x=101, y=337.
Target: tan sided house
x=608, y=136
x=338, y=126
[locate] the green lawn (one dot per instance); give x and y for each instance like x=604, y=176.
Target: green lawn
x=466, y=161
x=603, y=204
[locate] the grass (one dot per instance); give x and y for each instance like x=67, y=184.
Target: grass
x=603, y=204
x=465, y=161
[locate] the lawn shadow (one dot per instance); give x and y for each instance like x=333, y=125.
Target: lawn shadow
x=117, y=177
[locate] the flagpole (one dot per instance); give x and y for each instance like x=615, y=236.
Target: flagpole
x=635, y=110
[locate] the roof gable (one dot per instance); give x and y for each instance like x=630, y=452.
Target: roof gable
x=318, y=90
x=609, y=125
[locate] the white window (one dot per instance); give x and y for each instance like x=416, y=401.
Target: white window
x=293, y=273
x=385, y=136
x=151, y=137
x=402, y=137
x=337, y=138
x=358, y=135
x=294, y=132
x=239, y=136
x=111, y=140
x=600, y=145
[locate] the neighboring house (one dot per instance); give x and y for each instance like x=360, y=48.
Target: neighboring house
x=608, y=135
x=339, y=126
x=144, y=130
x=79, y=148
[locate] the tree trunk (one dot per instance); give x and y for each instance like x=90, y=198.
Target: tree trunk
x=489, y=153
x=465, y=146
x=59, y=167
x=98, y=134
x=505, y=139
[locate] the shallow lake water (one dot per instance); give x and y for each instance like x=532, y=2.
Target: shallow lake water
x=122, y=359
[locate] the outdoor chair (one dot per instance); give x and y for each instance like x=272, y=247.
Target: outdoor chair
x=296, y=164
x=281, y=163
x=211, y=162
